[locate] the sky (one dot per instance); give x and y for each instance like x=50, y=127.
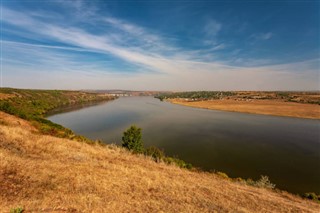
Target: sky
x=160, y=45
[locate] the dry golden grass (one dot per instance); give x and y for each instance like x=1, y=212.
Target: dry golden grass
x=47, y=174
x=265, y=107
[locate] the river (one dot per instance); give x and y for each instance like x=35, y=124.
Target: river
x=239, y=144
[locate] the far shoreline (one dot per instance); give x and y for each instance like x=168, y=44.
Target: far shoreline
x=259, y=107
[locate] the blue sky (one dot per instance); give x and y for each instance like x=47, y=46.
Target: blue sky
x=160, y=45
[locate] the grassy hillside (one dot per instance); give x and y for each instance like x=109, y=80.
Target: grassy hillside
x=32, y=105
x=42, y=173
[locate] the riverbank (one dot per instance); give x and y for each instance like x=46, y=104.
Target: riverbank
x=264, y=107
x=42, y=173
x=34, y=105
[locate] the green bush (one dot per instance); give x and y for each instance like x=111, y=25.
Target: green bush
x=264, y=182
x=158, y=156
x=178, y=162
x=312, y=196
x=222, y=174
x=17, y=210
x=132, y=139
x=240, y=180
x=250, y=182
x=155, y=153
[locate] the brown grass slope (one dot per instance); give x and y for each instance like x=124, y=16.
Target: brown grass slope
x=47, y=174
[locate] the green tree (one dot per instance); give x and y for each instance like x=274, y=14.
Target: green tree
x=132, y=139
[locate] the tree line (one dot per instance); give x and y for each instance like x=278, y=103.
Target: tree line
x=195, y=95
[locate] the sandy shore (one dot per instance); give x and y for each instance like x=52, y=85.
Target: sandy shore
x=264, y=107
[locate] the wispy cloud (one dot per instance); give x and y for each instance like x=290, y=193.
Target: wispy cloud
x=212, y=27
x=218, y=47
x=137, y=36
x=158, y=64
x=263, y=36
x=211, y=30
x=82, y=9
x=13, y=43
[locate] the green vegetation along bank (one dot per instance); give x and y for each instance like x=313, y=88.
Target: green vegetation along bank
x=33, y=105
x=285, y=96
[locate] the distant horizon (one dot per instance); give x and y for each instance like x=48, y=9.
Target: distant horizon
x=128, y=90
x=161, y=46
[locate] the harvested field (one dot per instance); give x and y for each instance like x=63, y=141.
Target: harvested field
x=264, y=107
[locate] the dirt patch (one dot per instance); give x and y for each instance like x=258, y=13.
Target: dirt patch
x=5, y=96
x=10, y=120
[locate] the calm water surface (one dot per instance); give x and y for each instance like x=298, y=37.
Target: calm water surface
x=241, y=145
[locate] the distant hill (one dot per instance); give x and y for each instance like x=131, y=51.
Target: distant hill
x=128, y=92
